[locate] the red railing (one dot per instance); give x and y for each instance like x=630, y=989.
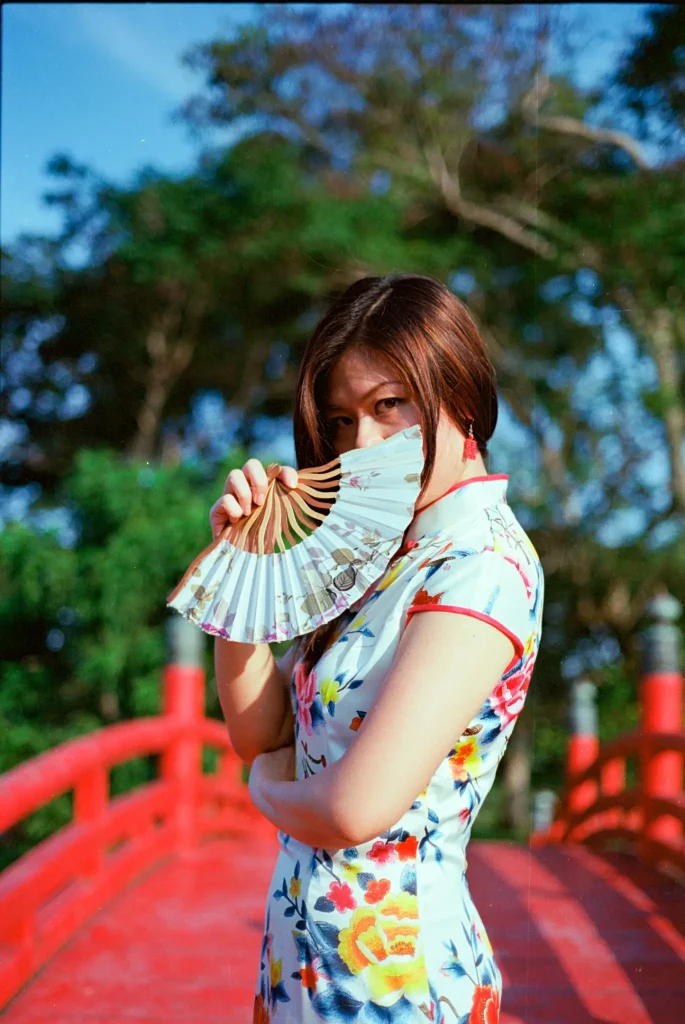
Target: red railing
x=596, y=805
x=51, y=890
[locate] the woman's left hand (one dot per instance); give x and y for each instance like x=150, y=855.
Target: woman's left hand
x=271, y=766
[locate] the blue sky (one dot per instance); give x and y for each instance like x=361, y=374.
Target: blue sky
x=100, y=81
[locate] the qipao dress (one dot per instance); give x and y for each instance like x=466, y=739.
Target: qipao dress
x=387, y=931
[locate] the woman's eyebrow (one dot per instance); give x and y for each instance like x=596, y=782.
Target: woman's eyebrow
x=329, y=407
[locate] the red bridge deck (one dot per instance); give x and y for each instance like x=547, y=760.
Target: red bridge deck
x=579, y=938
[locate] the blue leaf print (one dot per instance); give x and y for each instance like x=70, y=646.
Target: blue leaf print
x=325, y=905
x=289, y=911
x=279, y=994
x=316, y=712
x=401, y=1012
x=453, y=968
x=366, y=631
x=304, y=950
x=363, y=879
x=408, y=879
x=296, y=872
x=433, y=816
x=355, y=684
x=336, y=1005
x=351, y=853
x=327, y=934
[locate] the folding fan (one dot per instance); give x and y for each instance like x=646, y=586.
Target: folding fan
x=309, y=552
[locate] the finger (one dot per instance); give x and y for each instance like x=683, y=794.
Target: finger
x=288, y=475
x=238, y=486
x=256, y=475
x=226, y=510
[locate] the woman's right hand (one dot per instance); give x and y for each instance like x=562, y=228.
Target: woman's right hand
x=244, y=489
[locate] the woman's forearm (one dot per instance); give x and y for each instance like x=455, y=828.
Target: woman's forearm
x=252, y=693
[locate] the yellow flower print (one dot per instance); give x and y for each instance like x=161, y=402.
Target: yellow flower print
x=382, y=944
x=328, y=688
x=358, y=622
x=295, y=887
x=350, y=871
x=391, y=575
x=276, y=972
x=465, y=760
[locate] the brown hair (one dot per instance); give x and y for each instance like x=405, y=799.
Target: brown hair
x=430, y=340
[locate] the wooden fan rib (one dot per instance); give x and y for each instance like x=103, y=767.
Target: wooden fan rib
x=292, y=519
x=305, y=508
x=321, y=469
x=314, y=492
x=264, y=525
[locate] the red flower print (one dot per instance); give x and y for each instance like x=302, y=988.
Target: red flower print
x=508, y=697
x=485, y=1007
x=382, y=853
x=309, y=977
x=521, y=573
x=377, y=889
x=423, y=597
x=342, y=896
x=355, y=723
x=406, y=850
x=305, y=689
x=260, y=1013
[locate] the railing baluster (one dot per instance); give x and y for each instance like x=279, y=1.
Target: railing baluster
x=91, y=792
x=661, y=703
x=184, y=699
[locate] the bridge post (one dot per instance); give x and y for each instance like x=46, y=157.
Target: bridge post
x=544, y=805
x=184, y=699
x=583, y=743
x=661, y=706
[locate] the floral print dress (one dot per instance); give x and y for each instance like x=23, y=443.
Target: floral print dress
x=387, y=931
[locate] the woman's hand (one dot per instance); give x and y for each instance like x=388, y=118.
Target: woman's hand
x=271, y=766
x=244, y=488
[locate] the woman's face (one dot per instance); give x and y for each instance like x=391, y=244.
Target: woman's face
x=367, y=404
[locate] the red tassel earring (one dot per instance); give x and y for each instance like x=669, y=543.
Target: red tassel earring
x=470, y=446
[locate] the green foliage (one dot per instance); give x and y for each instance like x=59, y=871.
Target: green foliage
x=81, y=628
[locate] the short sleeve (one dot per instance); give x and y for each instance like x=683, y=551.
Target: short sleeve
x=485, y=585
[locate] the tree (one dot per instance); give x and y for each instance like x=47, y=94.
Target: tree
x=432, y=138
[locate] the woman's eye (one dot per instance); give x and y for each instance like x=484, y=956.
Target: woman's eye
x=394, y=402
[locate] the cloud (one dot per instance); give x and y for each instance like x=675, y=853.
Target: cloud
x=124, y=37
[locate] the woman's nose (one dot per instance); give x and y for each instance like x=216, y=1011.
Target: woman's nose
x=368, y=433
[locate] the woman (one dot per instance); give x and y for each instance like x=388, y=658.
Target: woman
x=376, y=739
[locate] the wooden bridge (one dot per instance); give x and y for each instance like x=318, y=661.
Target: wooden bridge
x=148, y=907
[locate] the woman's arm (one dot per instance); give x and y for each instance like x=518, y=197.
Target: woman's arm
x=254, y=695
x=426, y=703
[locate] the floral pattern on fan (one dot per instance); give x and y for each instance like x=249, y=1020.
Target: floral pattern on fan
x=265, y=578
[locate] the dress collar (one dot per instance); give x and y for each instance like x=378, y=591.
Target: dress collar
x=458, y=504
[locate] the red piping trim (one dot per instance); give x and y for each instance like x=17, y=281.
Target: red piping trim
x=457, y=609
x=463, y=483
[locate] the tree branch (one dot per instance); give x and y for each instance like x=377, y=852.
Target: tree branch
x=565, y=125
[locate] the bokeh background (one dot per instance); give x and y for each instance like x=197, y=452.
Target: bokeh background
x=186, y=187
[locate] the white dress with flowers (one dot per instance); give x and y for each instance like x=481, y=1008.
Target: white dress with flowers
x=387, y=931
